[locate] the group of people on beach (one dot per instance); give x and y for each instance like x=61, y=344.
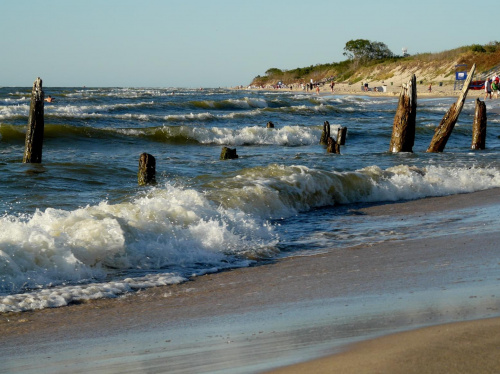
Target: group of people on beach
x=492, y=86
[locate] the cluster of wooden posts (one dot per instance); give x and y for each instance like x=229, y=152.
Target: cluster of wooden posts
x=403, y=131
x=402, y=139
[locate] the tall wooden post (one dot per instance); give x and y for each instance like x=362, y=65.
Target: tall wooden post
x=325, y=134
x=341, y=135
x=479, y=126
x=403, y=128
x=34, y=133
x=443, y=131
x=147, y=170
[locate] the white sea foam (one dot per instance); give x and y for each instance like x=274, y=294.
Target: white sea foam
x=73, y=110
x=15, y=101
x=255, y=135
x=82, y=111
x=10, y=111
x=281, y=191
x=190, y=116
x=61, y=296
x=171, y=228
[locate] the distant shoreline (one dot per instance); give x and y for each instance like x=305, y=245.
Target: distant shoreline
x=445, y=90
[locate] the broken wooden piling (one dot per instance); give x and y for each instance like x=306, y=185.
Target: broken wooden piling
x=403, y=129
x=228, y=153
x=479, y=126
x=341, y=135
x=325, y=135
x=34, y=133
x=147, y=170
x=333, y=146
x=445, y=127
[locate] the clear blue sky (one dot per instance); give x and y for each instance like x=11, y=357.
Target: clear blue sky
x=215, y=43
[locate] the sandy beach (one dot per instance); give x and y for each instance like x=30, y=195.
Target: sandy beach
x=441, y=86
x=445, y=90
x=294, y=310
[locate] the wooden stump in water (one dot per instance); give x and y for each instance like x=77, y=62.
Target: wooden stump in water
x=443, y=131
x=325, y=134
x=147, y=170
x=333, y=146
x=479, y=126
x=341, y=135
x=34, y=133
x=270, y=125
x=403, y=129
x=228, y=153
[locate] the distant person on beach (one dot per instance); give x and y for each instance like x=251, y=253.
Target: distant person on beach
x=430, y=88
x=487, y=88
x=317, y=89
x=332, y=85
x=366, y=87
x=50, y=99
x=495, y=86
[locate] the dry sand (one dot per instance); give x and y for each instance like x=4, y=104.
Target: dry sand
x=292, y=311
x=467, y=347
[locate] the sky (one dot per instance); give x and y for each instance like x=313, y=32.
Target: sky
x=213, y=43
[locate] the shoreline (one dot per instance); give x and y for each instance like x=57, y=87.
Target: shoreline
x=286, y=311
x=445, y=90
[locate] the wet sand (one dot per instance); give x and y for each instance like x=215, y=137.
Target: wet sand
x=290, y=311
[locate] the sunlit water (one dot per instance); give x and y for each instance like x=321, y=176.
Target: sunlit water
x=78, y=226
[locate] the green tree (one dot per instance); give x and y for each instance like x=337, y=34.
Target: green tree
x=379, y=51
x=356, y=49
x=274, y=71
x=362, y=49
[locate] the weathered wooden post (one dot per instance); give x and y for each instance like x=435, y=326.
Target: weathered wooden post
x=270, y=125
x=443, y=131
x=228, y=153
x=403, y=129
x=34, y=133
x=325, y=134
x=341, y=135
x=147, y=170
x=479, y=126
x=333, y=146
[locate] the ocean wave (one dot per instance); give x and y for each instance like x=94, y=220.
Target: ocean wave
x=253, y=135
x=17, y=134
x=75, y=111
x=11, y=133
x=278, y=191
x=14, y=101
x=170, y=228
x=230, y=104
x=14, y=111
x=172, y=232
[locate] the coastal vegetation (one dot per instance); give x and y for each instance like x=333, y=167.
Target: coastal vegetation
x=368, y=60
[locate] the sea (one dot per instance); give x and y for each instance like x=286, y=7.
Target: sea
x=78, y=226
